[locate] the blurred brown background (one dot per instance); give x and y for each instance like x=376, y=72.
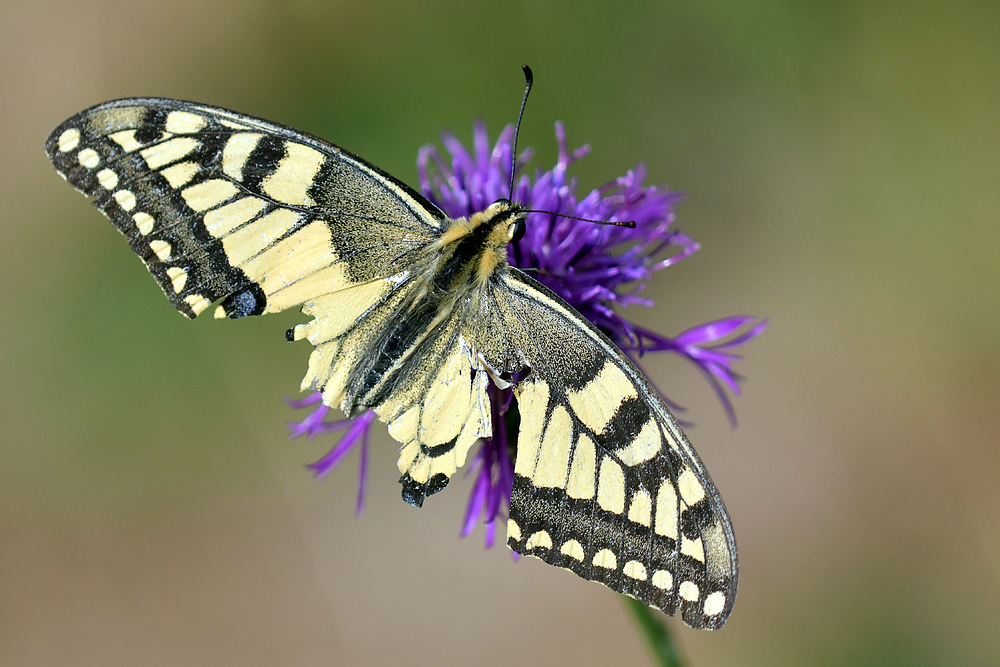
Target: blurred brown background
x=841, y=162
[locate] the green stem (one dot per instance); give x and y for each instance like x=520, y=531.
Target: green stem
x=651, y=624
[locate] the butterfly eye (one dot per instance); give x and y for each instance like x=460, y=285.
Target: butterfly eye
x=518, y=233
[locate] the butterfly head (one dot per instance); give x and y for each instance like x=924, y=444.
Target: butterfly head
x=508, y=218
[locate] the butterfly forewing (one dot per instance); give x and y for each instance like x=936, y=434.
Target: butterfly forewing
x=606, y=484
x=224, y=206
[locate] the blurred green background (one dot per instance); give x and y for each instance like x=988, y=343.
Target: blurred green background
x=842, y=168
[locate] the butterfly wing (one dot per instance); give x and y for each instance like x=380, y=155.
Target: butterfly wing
x=405, y=358
x=605, y=482
x=223, y=206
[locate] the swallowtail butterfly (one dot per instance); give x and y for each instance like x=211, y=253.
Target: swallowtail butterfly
x=413, y=315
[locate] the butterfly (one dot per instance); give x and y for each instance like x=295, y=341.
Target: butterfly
x=413, y=315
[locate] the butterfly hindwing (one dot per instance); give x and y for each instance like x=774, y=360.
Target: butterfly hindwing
x=382, y=345
x=439, y=408
x=225, y=206
x=605, y=482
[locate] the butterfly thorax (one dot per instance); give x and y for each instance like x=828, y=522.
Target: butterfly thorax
x=471, y=250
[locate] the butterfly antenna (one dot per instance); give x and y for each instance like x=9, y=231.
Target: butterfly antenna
x=614, y=223
x=529, y=78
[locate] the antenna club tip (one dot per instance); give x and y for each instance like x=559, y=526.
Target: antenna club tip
x=528, y=76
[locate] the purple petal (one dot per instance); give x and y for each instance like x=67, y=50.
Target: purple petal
x=711, y=331
x=362, y=472
x=358, y=428
x=312, y=399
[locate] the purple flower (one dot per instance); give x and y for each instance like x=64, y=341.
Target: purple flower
x=593, y=267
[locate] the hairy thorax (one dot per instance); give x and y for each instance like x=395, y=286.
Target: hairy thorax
x=474, y=249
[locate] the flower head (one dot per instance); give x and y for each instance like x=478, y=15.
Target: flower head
x=598, y=269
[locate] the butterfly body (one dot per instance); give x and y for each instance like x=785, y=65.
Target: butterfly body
x=414, y=315
x=447, y=279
